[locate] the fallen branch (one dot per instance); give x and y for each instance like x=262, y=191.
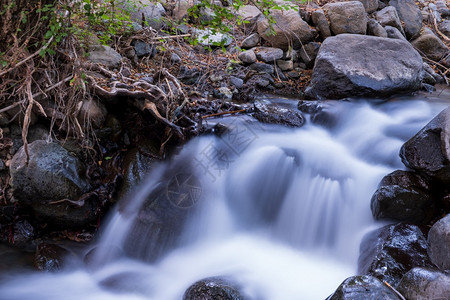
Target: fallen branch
x=224, y=113
x=171, y=37
x=436, y=27
x=11, y=106
x=394, y=290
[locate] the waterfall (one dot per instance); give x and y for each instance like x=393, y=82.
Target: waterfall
x=279, y=210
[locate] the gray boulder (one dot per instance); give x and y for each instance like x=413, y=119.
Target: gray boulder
x=403, y=196
x=289, y=29
x=347, y=17
x=51, y=184
x=247, y=57
x=410, y=15
x=348, y=65
x=105, y=55
x=180, y=9
x=250, y=41
x=249, y=13
x=144, y=11
x=374, y=28
x=394, y=33
x=268, y=54
x=391, y=251
x=207, y=37
x=388, y=17
x=320, y=20
x=439, y=243
x=421, y=283
x=370, y=5
x=428, y=152
x=363, y=288
x=430, y=45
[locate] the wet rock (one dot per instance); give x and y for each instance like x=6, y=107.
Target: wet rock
x=189, y=76
x=403, y=196
x=391, y=251
x=23, y=232
x=51, y=184
x=92, y=113
x=247, y=57
x=320, y=20
x=288, y=29
x=278, y=115
x=347, y=17
x=50, y=257
x=308, y=53
x=362, y=288
x=213, y=288
x=348, y=65
x=370, y=5
x=421, y=283
x=388, y=17
x=410, y=15
x=251, y=41
x=143, y=49
x=394, y=33
x=430, y=45
x=262, y=68
x=268, y=54
x=207, y=37
x=428, y=152
x=439, y=243
x=105, y=55
x=375, y=28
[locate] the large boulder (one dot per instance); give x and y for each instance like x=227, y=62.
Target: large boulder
x=143, y=11
x=347, y=17
x=403, y=196
x=289, y=29
x=363, y=288
x=431, y=45
x=320, y=20
x=350, y=65
x=410, y=15
x=428, y=152
x=439, y=243
x=250, y=14
x=278, y=115
x=51, y=184
x=213, y=288
x=391, y=251
x=370, y=5
x=421, y=283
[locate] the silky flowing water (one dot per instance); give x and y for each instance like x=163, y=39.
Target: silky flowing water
x=279, y=211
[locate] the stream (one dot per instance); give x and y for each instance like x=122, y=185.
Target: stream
x=280, y=211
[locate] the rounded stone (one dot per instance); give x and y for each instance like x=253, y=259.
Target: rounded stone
x=439, y=243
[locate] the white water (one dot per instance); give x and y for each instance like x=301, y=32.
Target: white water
x=281, y=212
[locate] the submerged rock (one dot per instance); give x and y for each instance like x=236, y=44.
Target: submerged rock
x=213, y=288
x=348, y=65
x=50, y=257
x=403, y=196
x=421, y=283
x=391, y=251
x=363, y=288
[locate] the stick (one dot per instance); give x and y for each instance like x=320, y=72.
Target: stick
x=28, y=58
x=224, y=113
x=171, y=37
x=395, y=291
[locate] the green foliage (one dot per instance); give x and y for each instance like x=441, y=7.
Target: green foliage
x=81, y=19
